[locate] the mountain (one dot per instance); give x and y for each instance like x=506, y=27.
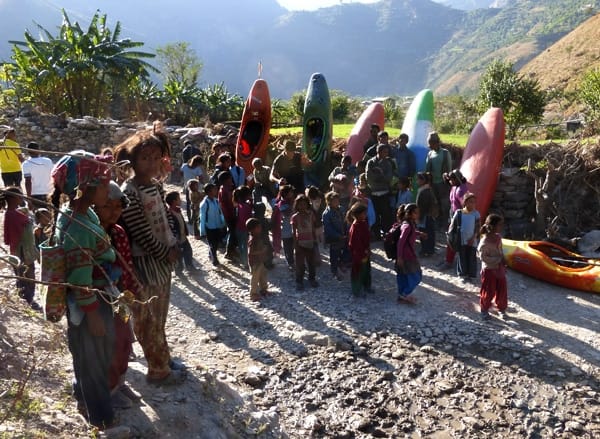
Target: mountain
x=562, y=65
x=389, y=47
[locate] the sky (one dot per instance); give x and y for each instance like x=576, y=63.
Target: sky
x=311, y=5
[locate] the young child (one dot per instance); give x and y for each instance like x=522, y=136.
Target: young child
x=360, y=249
x=428, y=210
x=179, y=229
x=336, y=233
x=458, y=189
x=212, y=221
x=154, y=248
x=243, y=207
x=316, y=203
x=304, y=228
x=408, y=269
x=257, y=252
x=493, y=273
x=225, y=198
x=43, y=218
x=405, y=195
x=191, y=170
x=18, y=235
x=282, y=226
x=195, y=199
x=470, y=225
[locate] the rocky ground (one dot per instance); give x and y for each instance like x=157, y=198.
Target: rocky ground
x=320, y=363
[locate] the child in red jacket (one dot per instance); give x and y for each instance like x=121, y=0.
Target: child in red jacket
x=360, y=249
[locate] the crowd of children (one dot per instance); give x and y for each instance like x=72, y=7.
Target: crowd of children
x=133, y=236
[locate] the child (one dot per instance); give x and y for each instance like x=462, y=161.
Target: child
x=360, y=249
x=316, y=203
x=282, y=227
x=429, y=210
x=109, y=214
x=256, y=257
x=458, y=190
x=408, y=269
x=179, y=229
x=212, y=221
x=195, y=200
x=493, y=274
x=225, y=198
x=470, y=225
x=304, y=228
x=258, y=211
x=405, y=195
x=243, y=207
x=336, y=234
x=191, y=170
x=18, y=235
x=43, y=218
x=154, y=249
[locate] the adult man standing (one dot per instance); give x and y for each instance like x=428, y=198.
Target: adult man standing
x=380, y=172
x=405, y=158
x=288, y=167
x=37, y=170
x=10, y=159
x=439, y=162
x=383, y=138
x=372, y=141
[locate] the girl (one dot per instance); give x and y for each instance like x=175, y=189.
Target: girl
x=408, y=269
x=109, y=214
x=405, y=195
x=493, y=273
x=360, y=250
x=195, y=200
x=88, y=254
x=304, y=229
x=428, y=209
x=243, y=207
x=317, y=205
x=43, y=218
x=225, y=198
x=469, y=229
x=335, y=232
x=154, y=249
x=18, y=235
x=458, y=190
x=282, y=226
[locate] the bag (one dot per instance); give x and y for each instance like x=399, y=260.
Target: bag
x=390, y=241
x=453, y=235
x=54, y=297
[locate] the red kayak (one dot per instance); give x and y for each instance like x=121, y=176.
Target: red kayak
x=482, y=159
x=253, y=138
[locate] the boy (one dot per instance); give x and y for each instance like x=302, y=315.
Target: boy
x=212, y=221
x=180, y=231
x=257, y=251
x=195, y=196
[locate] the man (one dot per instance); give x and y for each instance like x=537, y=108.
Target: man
x=37, y=170
x=189, y=151
x=405, y=158
x=288, y=167
x=383, y=138
x=439, y=162
x=372, y=141
x=381, y=171
x=10, y=159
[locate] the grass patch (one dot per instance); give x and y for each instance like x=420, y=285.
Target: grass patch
x=339, y=130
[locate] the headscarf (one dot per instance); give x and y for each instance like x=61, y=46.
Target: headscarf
x=73, y=173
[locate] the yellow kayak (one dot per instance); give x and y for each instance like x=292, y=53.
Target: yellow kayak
x=554, y=264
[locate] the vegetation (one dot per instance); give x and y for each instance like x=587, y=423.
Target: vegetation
x=78, y=70
x=179, y=64
x=589, y=93
x=520, y=98
x=455, y=114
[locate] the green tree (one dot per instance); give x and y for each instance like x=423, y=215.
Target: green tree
x=220, y=104
x=297, y=104
x=520, y=98
x=282, y=113
x=589, y=94
x=79, y=70
x=179, y=63
x=455, y=114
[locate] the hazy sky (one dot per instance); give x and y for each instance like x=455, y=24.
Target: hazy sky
x=294, y=5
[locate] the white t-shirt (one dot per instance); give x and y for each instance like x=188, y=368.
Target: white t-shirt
x=39, y=169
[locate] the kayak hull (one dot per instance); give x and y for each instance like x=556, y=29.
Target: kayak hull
x=482, y=159
x=361, y=131
x=418, y=123
x=554, y=264
x=317, y=131
x=253, y=138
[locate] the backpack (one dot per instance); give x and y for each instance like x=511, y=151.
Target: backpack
x=390, y=241
x=453, y=235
